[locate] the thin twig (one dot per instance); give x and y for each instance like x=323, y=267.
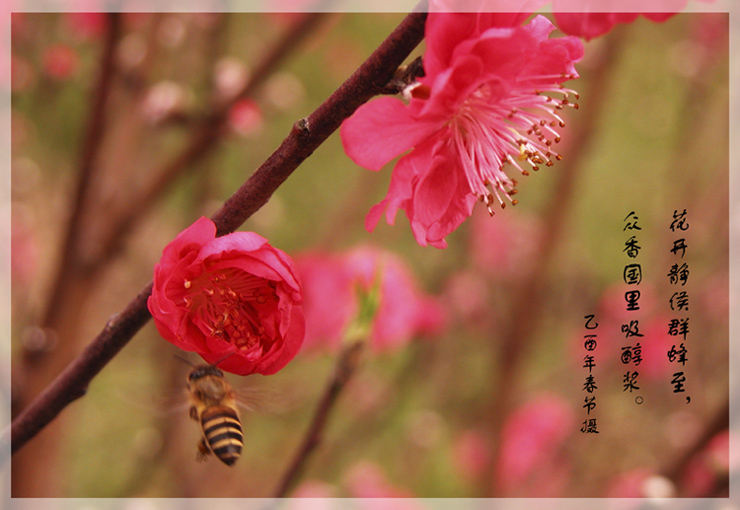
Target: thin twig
x=204, y=138
x=346, y=365
x=305, y=137
x=90, y=150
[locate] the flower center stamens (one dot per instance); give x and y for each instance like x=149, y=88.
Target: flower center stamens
x=490, y=131
x=230, y=305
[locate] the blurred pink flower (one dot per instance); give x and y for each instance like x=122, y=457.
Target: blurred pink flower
x=162, y=100
x=579, y=17
x=330, y=281
x=230, y=75
x=466, y=297
x=313, y=489
x=470, y=454
x=60, y=61
x=629, y=485
x=652, y=324
x=367, y=480
x=704, y=469
x=86, y=25
x=532, y=436
x=489, y=97
x=504, y=249
x=245, y=117
x=24, y=251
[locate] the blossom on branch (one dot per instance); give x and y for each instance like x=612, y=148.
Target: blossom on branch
x=490, y=97
x=233, y=299
x=331, y=282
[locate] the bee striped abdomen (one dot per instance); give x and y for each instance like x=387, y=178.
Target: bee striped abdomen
x=223, y=432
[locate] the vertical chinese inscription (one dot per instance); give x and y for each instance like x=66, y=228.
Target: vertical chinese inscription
x=678, y=324
x=631, y=353
x=590, y=342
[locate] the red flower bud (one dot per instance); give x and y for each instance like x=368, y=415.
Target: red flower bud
x=233, y=298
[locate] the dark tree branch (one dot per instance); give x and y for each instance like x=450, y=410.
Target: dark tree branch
x=90, y=149
x=307, y=135
x=345, y=367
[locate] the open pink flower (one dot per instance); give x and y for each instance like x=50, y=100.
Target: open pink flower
x=490, y=96
x=233, y=299
x=330, y=282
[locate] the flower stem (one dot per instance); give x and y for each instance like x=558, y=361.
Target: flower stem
x=305, y=137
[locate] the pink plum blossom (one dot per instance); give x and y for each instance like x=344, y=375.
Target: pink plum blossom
x=629, y=485
x=490, y=96
x=367, y=480
x=245, y=117
x=314, y=489
x=86, y=25
x=330, y=282
x=234, y=299
x=589, y=19
x=528, y=461
x=471, y=453
x=60, y=61
x=505, y=249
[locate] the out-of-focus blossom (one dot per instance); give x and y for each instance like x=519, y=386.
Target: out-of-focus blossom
x=707, y=467
x=466, y=297
x=504, y=249
x=490, y=96
x=230, y=75
x=245, y=117
x=131, y=51
x=580, y=17
x=60, y=61
x=233, y=299
x=172, y=31
x=654, y=342
x=330, y=284
x=289, y=12
x=612, y=304
x=24, y=251
x=367, y=480
x=313, y=489
x=86, y=25
x=529, y=463
x=284, y=90
x=629, y=484
x=470, y=454
x=163, y=100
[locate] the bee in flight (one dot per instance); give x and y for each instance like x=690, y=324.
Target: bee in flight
x=214, y=406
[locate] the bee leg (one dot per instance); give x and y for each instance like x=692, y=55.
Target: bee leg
x=203, y=451
x=194, y=413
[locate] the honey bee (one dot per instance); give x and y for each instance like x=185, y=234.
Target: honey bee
x=214, y=406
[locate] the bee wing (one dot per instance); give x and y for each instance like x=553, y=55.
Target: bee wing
x=159, y=405
x=264, y=400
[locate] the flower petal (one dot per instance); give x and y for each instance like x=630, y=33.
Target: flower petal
x=381, y=130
